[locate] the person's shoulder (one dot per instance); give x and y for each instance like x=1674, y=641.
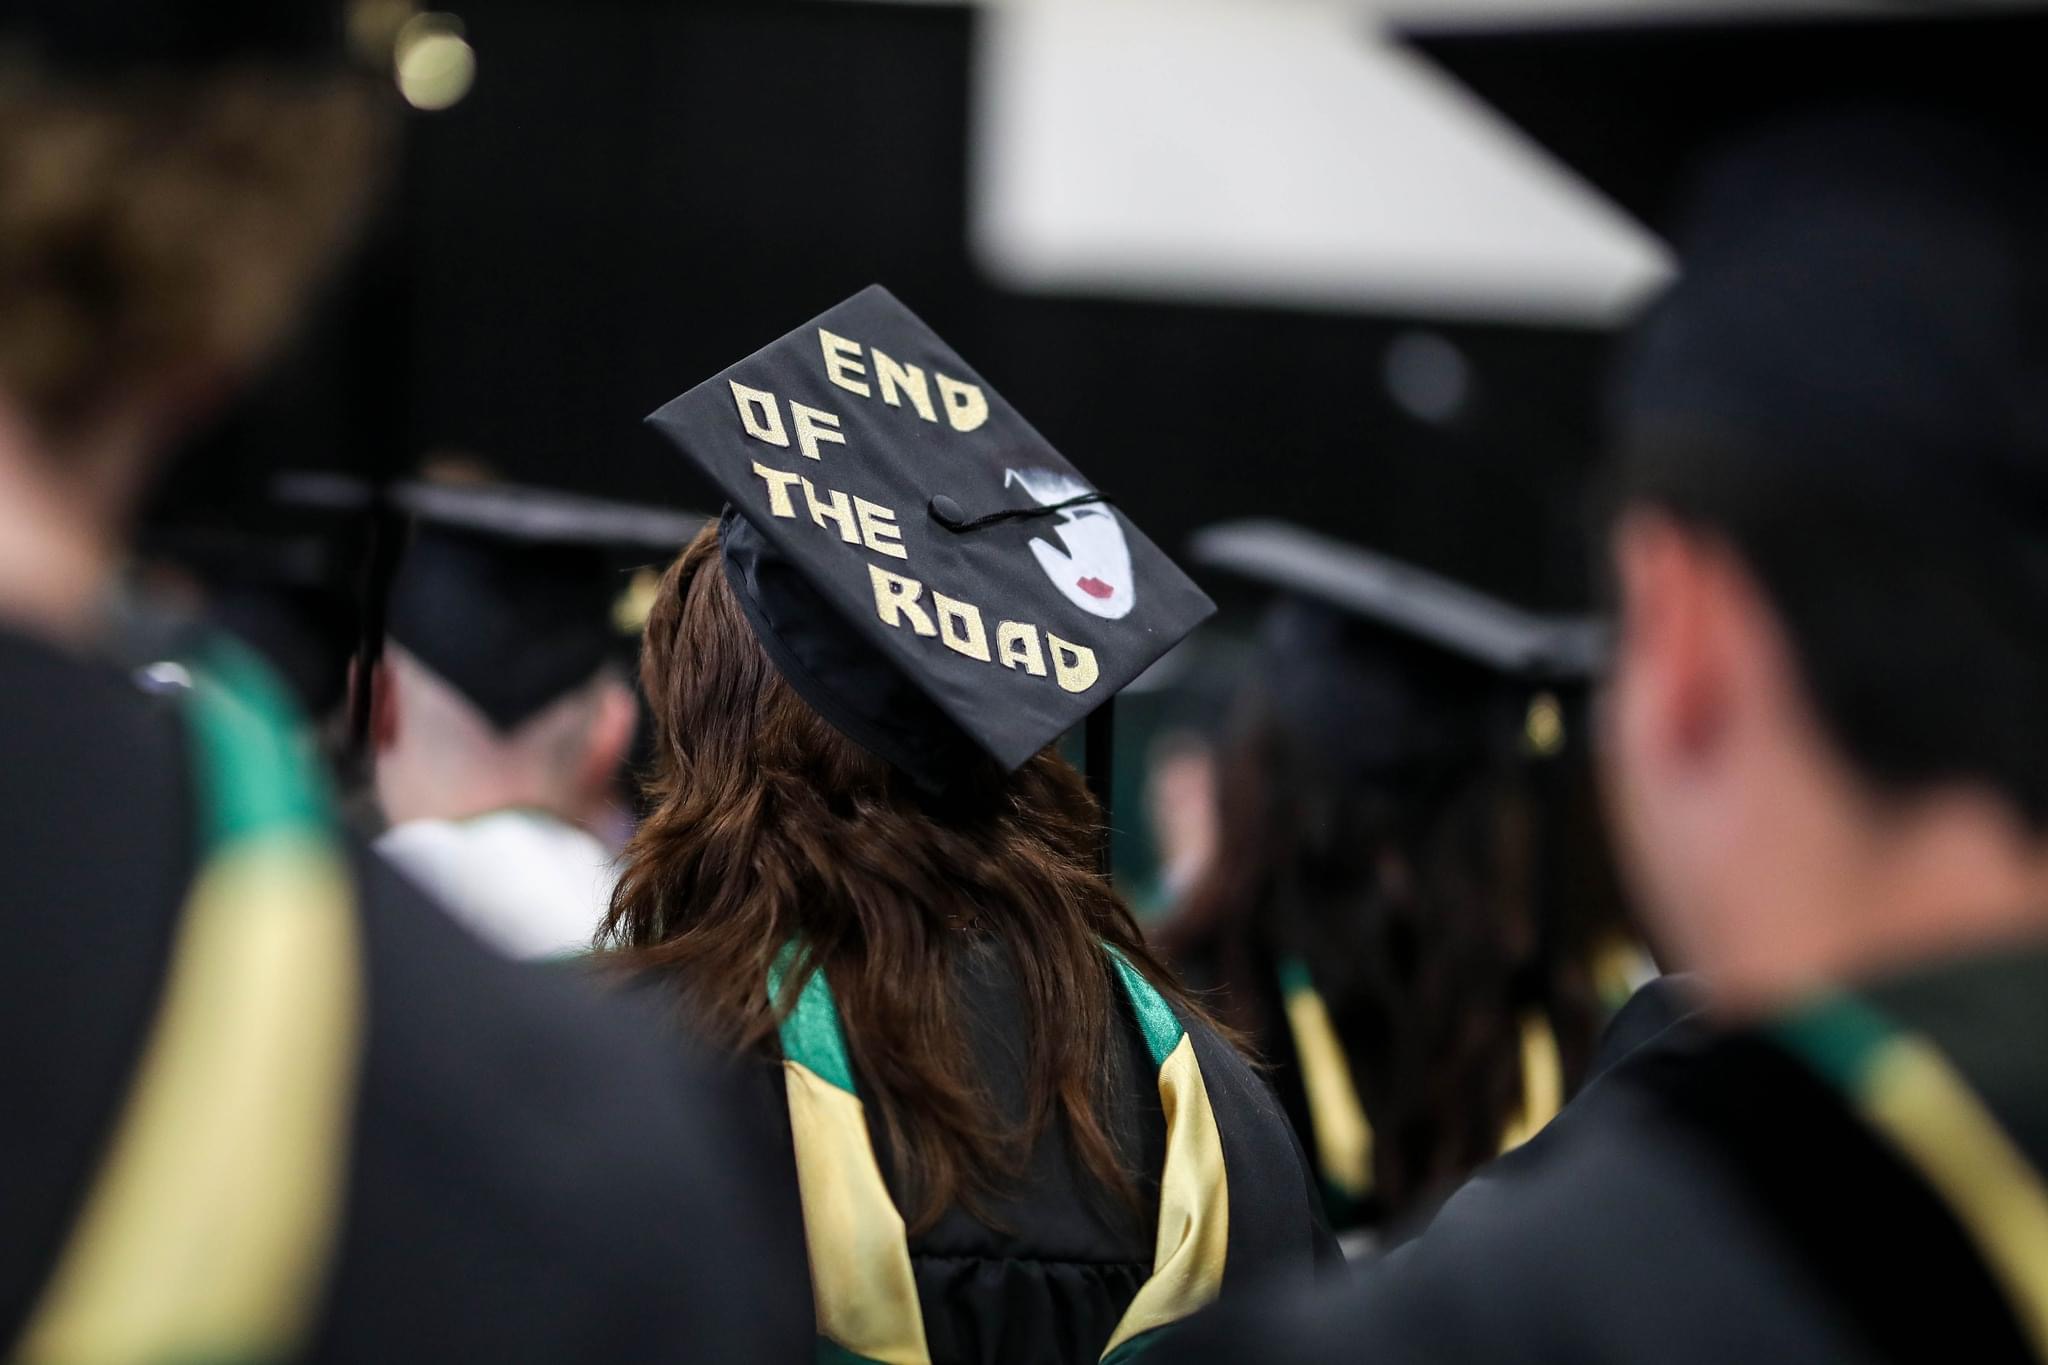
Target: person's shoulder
x=545, y=1169
x=502, y=1046
x=1616, y=1234
x=95, y=824
x=1664, y=1014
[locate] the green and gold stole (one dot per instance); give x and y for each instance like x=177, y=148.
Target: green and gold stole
x=1343, y=1133
x=861, y=1279
x=1912, y=1097
x=206, y=1231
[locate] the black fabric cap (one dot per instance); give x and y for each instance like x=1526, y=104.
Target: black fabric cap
x=282, y=570
x=1376, y=667
x=904, y=524
x=111, y=36
x=1636, y=106
x=1453, y=618
x=845, y=678
x=291, y=591
x=506, y=593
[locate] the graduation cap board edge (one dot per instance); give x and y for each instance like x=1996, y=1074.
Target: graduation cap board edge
x=516, y=511
x=545, y=516
x=1459, y=620
x=923, y=567
x=1632, y=103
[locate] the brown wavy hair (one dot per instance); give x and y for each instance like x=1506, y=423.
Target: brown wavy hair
x=767, y=826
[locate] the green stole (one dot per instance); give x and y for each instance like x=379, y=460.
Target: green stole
x=206, y=1231
x=865, y=1293
x=1908, y=1093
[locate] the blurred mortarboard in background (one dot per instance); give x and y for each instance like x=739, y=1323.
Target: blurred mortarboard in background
x=920, y=564
x=1458, y=620
x=284, y=572
x=511, y=594
x=1387, y=668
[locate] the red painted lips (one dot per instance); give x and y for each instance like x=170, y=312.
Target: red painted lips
x=1095, y=587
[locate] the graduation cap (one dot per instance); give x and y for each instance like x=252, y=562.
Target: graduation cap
x=108, y=36
x=508, y=593
x=1389, y=669
x=283, y=572
x=922, y=566
x=1456, y=619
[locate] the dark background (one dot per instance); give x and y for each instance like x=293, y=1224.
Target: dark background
x=636, y=194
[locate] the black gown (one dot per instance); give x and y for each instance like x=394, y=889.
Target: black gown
x=1706, y=1199
x=534, y=1172
x=1053, y=1267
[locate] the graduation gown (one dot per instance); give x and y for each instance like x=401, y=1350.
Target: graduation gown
x=1049, y=1274
x=531, y=1172
x=1714, y=1197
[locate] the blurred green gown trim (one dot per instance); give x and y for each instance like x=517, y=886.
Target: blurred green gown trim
x=206, y=1232
x=1913, y=1097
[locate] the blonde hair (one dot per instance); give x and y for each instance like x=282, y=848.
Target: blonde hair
x=149, y=221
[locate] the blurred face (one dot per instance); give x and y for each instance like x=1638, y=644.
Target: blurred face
x=1757, y=852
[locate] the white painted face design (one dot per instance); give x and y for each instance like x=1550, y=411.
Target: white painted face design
x=1093, y=570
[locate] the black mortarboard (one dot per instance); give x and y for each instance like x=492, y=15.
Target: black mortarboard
x=282, y=571
x=1386, y=667
x=507, y=593
x=921, y=565
x=1458, y=620
x=105, y=36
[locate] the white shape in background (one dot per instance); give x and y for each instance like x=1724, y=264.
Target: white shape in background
x=1094, y=572
x=1275, y=152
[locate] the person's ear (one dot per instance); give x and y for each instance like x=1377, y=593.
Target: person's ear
x=1673, y=582
x=384, y=709
x=611, y=737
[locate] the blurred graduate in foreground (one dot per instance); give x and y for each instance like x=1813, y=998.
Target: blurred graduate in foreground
x=263, y=1101
x=1828, y=762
